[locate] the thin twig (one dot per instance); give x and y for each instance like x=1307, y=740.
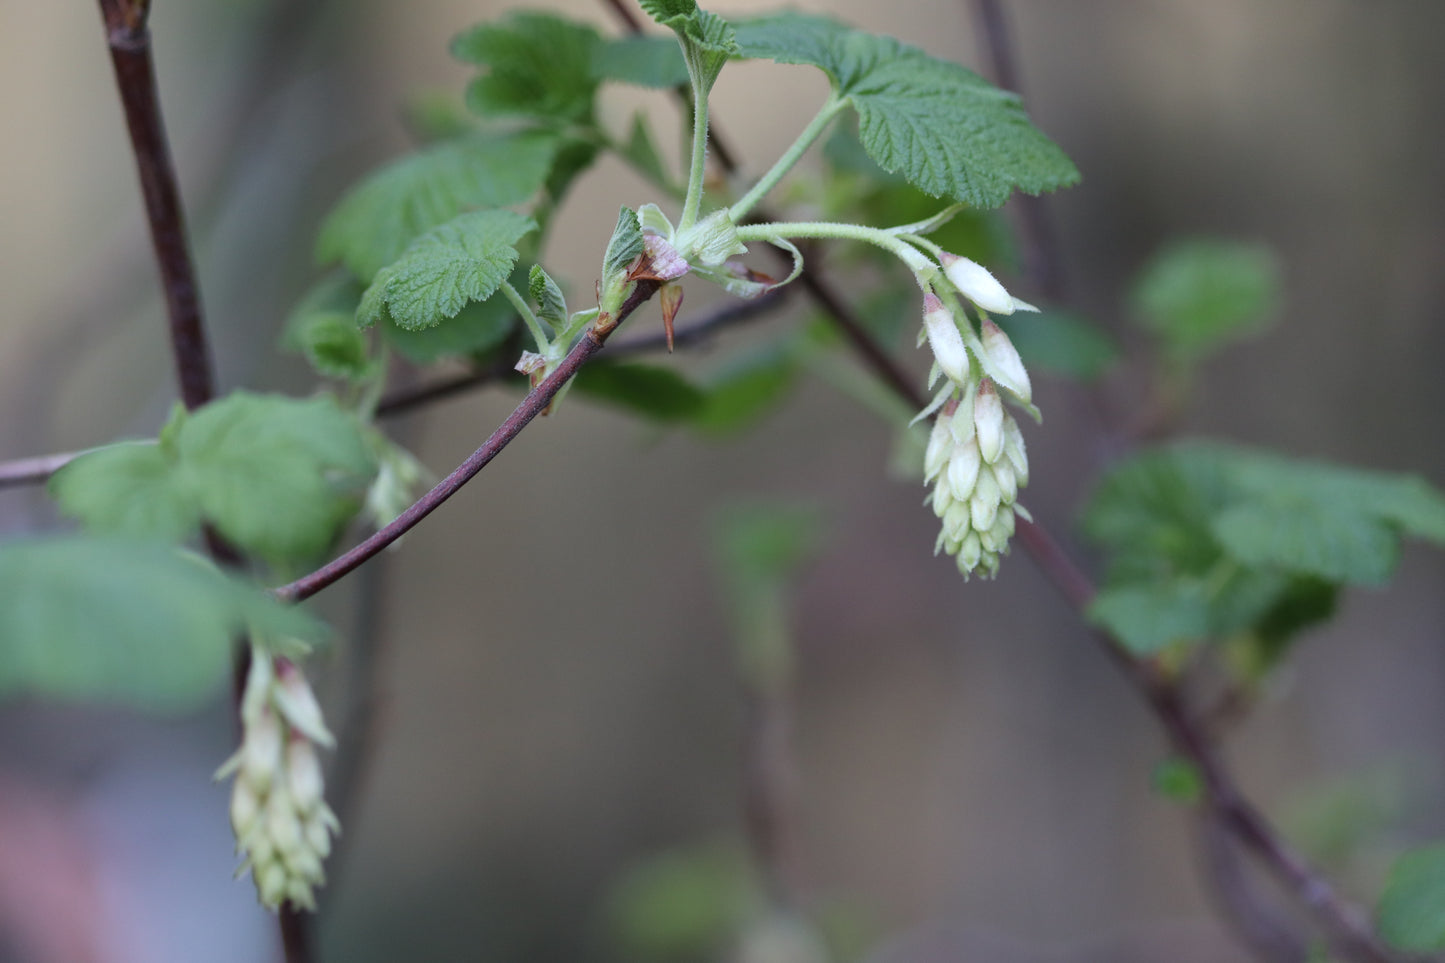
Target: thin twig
x=1254, y=922
x=128, y=38
x=532, y=405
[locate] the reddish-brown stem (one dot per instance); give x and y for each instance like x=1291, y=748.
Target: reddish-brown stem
x=532, y=405
x=128, y=38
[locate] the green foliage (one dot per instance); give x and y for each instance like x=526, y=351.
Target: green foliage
x=660, y=394
x=1412, y=909
x=1061, y=343
x=1178, y=779
x=641, y=151
x=644, y=61
x=708, y=41
x=463, y=260
x=1197, y=295
x=943, y=127
x=551, y=305
x=624, y=246
x=538, y=65
x=745, y=390
x=277, y=477
x=477, y=328
x=323, y=329
x=1208, y=539
x=380, y=217
x=683, y=905
x=130, y=622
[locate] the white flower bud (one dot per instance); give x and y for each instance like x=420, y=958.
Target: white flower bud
x=1008, y=367
x=271, y=884
x=942, y=498
x=245, y=805
x=983, y=506
x=963, y=469
x=969, y=553
x=303, y=775
x=940, y=446
x=975, y=283
x=318, y=833
x=1013, y=447
x=299, y=893
x=261, y=751
x=988, y=420
x=298, y=704
x=283, y=827
x=956, y=520
x=944, y=339
x=1008, y=486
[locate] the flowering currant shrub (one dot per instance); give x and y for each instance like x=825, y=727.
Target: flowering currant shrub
x=211, y=535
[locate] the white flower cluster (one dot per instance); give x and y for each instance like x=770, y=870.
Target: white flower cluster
x=282, y=824
x=976, y=461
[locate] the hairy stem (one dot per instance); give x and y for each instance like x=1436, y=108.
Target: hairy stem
x=532, y=405
x=128, y=38
x=528, y=316
x=697, y=171
x=789, y=159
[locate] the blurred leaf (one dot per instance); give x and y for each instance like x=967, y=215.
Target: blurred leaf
x=1197, y=295
x=323, y=328
x=765, y=543
x=376, y=220
x=538, y=65
x=463, y=260
x=945, y=128
x=1060, y=343
x=657, y=393
x=1309, y=537
x=1178, y=779
x=278, y=477
x=131, y=488
x=136, y=623
x=683, y=905
x=645, y=61
x=746, y=390
x=1412, y=909
x=641, y=150
x=1150, y=618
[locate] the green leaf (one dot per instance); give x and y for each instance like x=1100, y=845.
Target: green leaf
x=323, y=328
x=744, y=391
x=1412, y=909
x=682, y=905
x=948, y=131
x=539, y=65
x=1198, y=294
x=1309, y=537
x=136, y=623
x=463, y=260
x=1149, y=619
x=657, y=393
x=127, y=489
x=479, y=327
x=551, y=305
x=645, y=61
x=378, y=219
x=278, y=477
x=624, y=246
x=1178, y=779
x=1061, y=343
x=642, y=152
x=707, y=40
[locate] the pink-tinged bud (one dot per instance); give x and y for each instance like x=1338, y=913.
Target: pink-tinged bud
x=1008, y=367
x=963, y=470
x=983, y=506
x=975, y=283
x=988, y=421
x=944, y=339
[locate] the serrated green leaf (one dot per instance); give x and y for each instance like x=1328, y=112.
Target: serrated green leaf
x=744, y=391
x=463, y=260
x=1061, y=343
x=1412, y=909
x=378, y=219
x=323, y=328
x=479, y=327
x=117, y=621
x=1150, y=618
x=657, y=393
x=948, y=131
x=277, y=476
x=539, y=65
x=127, y=489
x=551, y=305
x=1198, y=294
x=1309, y=537
x=644, y=61
x=707, y=40
x=624, y=246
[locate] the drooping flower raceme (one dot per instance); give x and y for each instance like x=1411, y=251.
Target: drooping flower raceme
x=282, y=824
x=975, y=460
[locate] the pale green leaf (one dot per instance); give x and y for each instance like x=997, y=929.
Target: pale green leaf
x=478, y=328
x=746, y=390
x=277, y=476
x=551, y=305
x=624, y=246
x=538, y=65
x=323, y=328
x=1309, y=537
x=1412, y=909
x=1198, y=294
x=641, y=151
x=127, y=489
x=707, y=40
x=657, y=393
x=645, y=61
x=948, y=131
x=378, y=219
x=134, y=623
x=1150, y=618
x=461, y=261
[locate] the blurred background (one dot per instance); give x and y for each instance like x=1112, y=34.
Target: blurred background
x=559, y=704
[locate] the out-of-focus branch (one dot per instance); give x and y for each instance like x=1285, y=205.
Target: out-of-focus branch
x=1244, y=909
x=532, y=405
